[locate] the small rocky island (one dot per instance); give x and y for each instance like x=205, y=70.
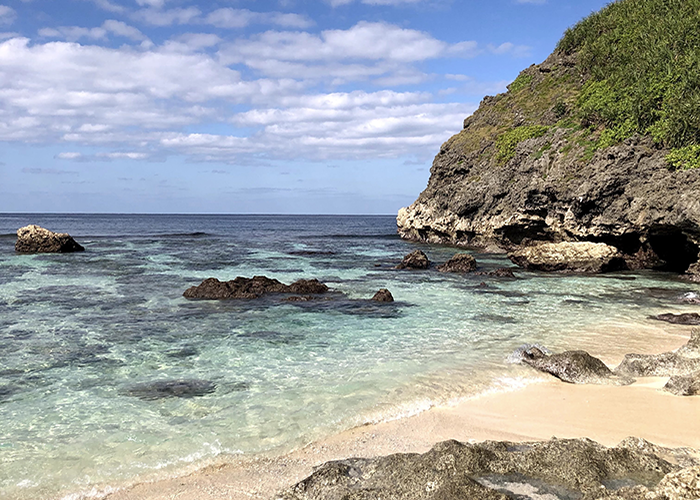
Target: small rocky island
x=36, y=239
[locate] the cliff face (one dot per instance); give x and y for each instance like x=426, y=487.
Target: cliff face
x=525, y=168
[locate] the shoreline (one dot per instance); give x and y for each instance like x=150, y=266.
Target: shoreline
x=541, y=410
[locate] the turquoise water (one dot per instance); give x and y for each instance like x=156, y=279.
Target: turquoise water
x=78, y=332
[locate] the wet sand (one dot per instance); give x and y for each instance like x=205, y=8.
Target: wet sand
x=544, y=409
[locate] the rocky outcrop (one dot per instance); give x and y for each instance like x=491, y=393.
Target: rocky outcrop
x=678, y=319
x=459, y=263
x=684, y=385
x=414, y=260
x=560, y=468
x=683, y=361
x=577, y=257
x=575, y=367
x=501, y=272
x=383, y=295
x=493, y=188
x=36, y=239
x=251, y=288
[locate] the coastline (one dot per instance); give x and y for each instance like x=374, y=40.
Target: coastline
x=541, y=410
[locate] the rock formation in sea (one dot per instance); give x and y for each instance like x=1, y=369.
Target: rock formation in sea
x=459, y=263
x=414, y=260
x=36, y=239
x=678, y=319
x=576, y=151
x=179, y=388
x=559, y=468
x=383, y=295
x=578, y=257
x=251, y=288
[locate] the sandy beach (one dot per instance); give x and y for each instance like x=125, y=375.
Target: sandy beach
x=544, y=409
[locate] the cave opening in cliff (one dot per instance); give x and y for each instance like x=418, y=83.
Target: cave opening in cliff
x=674, y=248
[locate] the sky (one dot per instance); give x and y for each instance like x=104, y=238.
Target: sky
x=249, y=106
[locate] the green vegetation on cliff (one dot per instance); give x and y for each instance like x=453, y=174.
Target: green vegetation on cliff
x=631, y=68
x=641, y=59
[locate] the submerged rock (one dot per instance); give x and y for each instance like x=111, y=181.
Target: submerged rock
x=180, y=388
x=414, y=260
x=576, y=257
x=682, y=361
x=383, y=295
x=459, y=263
x=36, y=239
x=684, y=385
x=251, y=288
x=575, y=367
x=678, y=319
x=501, y=272
x=560, y=468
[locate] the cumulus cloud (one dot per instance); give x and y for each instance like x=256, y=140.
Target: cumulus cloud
x=7, y=14
x=240, y=18
x=168, y=17
x=336, y=3
x=75, y=33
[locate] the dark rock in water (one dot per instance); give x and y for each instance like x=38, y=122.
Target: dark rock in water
x=690, y=298
x=528, y=351
x=576, y=257
x=36, y=239
x=684, y=385
x=184, y=352
x=501, y=272
x=459, y=263
x=181, y=388
x=683, y=361
x=383, y=295
x=560, y=468
x=414, y=260
x=575, y=367
x=679, y=319
x=251, y=288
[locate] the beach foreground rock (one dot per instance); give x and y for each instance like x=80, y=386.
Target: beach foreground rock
x=559, y=468
x=577, y=257
x=251, y=288
x=682, y=361
x=678, y=319
x=36, y=239
x=575, y=367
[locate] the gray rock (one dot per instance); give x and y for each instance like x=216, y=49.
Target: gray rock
x=36, y=239
x=180, y=388
x=683, y=361
x=414, y=260
x=251, y=288
x=678, y=319
x=575, y=367
x=383, y=295
x=577, y=257
x=560, y=468
x=459, y=263
x=684, y=385
x=501, y=272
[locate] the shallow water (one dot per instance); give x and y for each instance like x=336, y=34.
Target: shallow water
x=84, y=338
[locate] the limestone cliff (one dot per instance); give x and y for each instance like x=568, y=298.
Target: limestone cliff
x=532, y=165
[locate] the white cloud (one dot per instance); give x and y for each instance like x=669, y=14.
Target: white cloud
x=337, y=3
x=240, y=18
x=168, y=17
x=7, y=14
x=109, y=6
x=69, y=155
x=75, y=33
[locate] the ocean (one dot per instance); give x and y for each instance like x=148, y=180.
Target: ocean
x=87, y=338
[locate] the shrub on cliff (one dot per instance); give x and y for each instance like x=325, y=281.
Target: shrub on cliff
x=641, y=61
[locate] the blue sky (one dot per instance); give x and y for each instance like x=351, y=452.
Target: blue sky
x=242, y=106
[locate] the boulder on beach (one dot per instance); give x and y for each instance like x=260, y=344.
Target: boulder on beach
x=459, y=263
x=36, y=239
x=575, y=257
x=559, y=468
x=683, y=361
x=678, y=319
x=383, y=295
x=251, y=288
x=575, y=367
x=684, y=385
x=414, y=260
